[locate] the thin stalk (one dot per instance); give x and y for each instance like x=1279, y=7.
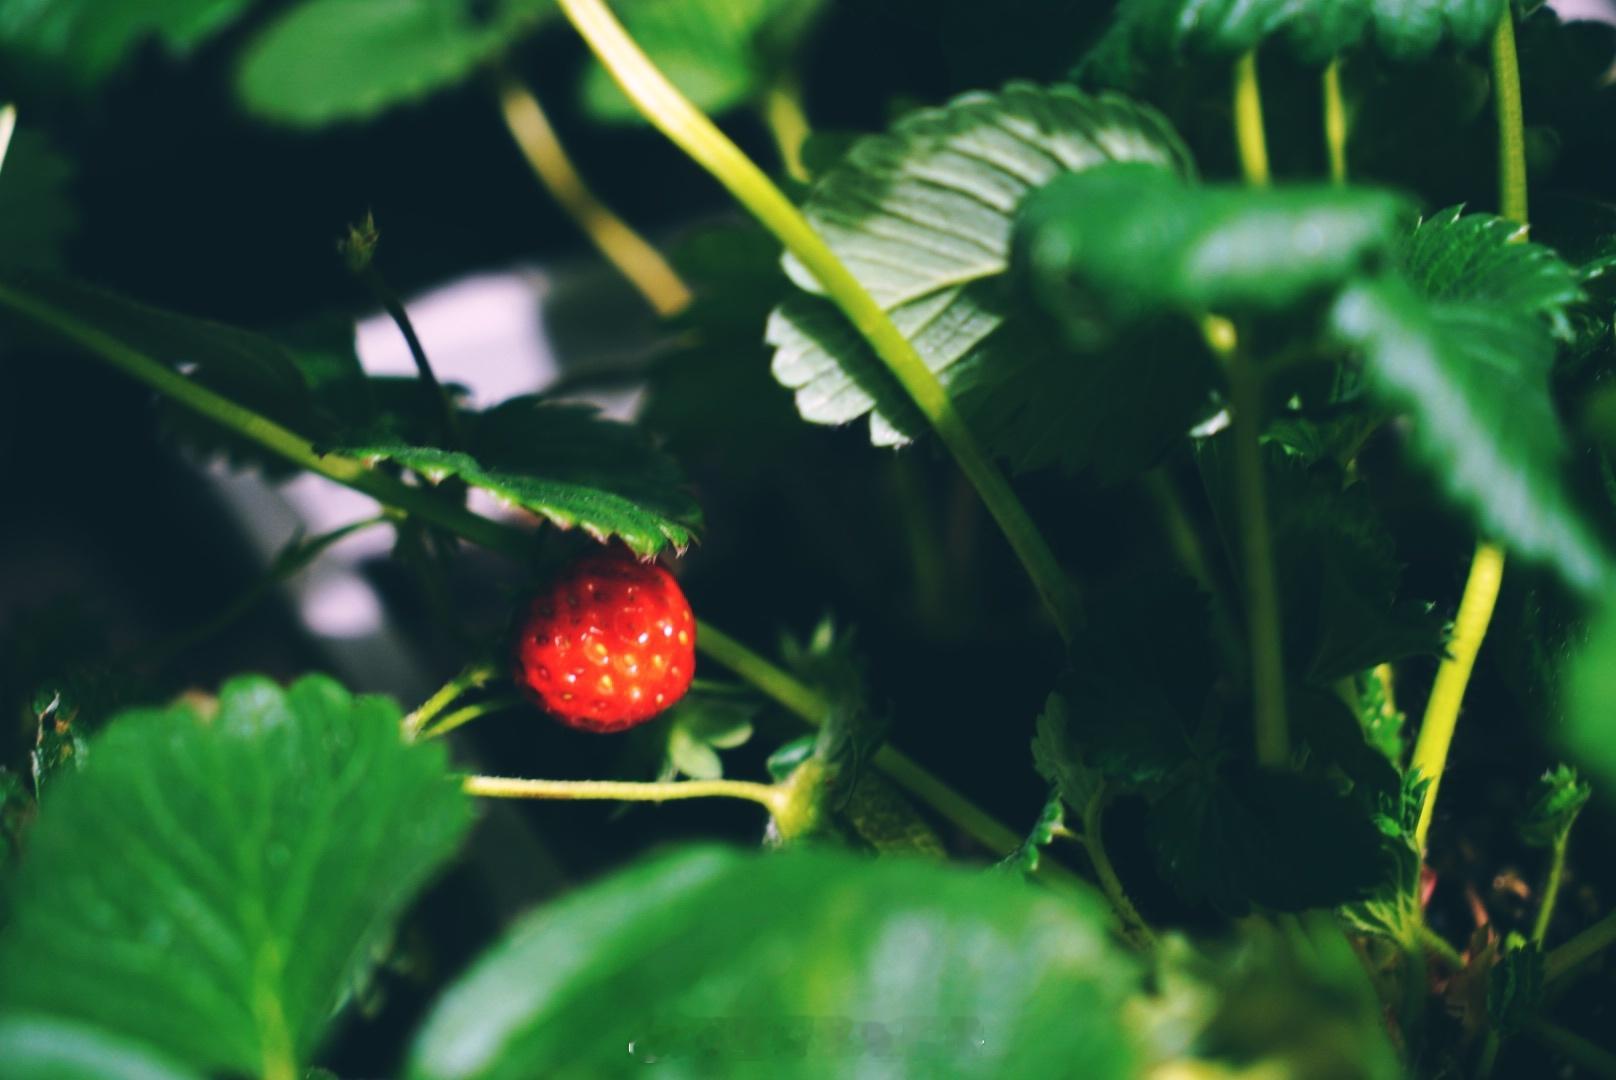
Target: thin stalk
x=504, y=539
x=1271, y=732
x=788, y=123
x=1093, y=840
x=1442, y=710
x=1579, y=950
x=501, y=787
x=390, y=302
x=1248, y=121
x=462, y=716
x=1487, y=567
x=1590, y=1056
x=627, y=250
x=1335, y=122
x=1551, y=887
x=470, y=677
x=666, y=108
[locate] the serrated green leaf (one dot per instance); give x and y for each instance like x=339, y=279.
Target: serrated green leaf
x=1515, y=985
x=326, y=61
x=1561, y=794
x=208, y=888
x=719, y=53
x=922, y=217
x=918, y=968
x=1482, y=259
x=44, y=1048
x=1029, y=853
x=568, y=465
x=1475, y=378
x=36, y=217
x=88, y=39
x=1159, y=32
x=1116, y=246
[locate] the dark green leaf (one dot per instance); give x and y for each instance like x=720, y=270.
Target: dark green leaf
x=1283, y=841
x=1112, y=247
x=1163, y=32
x=1029, y=853
x=1475, y=378
x=1515, y=985
x=326, y=61
x=208, y=888
x=89, y=38
x=804, y=963
x=1055, y=758
x=36, y=217
x=719, y=53
x=566, y=464
x=922, y=216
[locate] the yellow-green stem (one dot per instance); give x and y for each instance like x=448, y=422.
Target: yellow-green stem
x=671, y=113
x=1511, y=121
x=470, y=677
x=465, y=715
x=788, y=123
x=1248, y=121
x=1335, y=122
x=1442, y=710
x=1438, y=945
x=1551, y=887
x=627, y=250
x=503, y=787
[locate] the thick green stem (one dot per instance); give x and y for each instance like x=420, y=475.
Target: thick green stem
x=1093, y=839
x=1437, y=945
x=671, y=113
x=501, y=787
x=1511, y=121
x=1551, y=888
x=1335, y=122
x=1593, y=1058
x=1248, y=121
x=1580, y=949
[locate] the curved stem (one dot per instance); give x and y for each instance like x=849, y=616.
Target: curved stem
x=1592, y=1057
x=783, y=113
x=1093, y=840
x=462, y=716
x=1335, y=122
x=388, y=299
x=1551, y=888
x=1580, y=949
x=1487, y=567
x=666, y=108
x=1248, y=121
x=501, y=787
x=1442, y=710
x=1511, y=121
x=634, y=257
x=470, y=677
x=775, y=682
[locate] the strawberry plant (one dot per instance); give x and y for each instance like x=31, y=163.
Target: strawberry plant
x=1109, y=574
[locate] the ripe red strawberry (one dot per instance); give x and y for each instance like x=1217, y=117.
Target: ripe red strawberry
x=611, y=643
